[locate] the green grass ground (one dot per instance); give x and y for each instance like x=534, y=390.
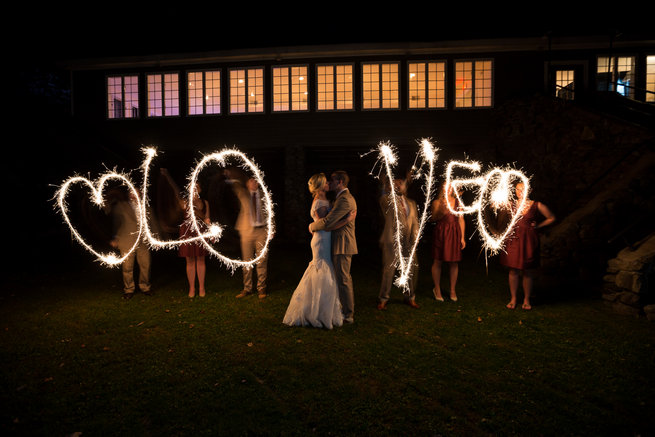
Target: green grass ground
x=75, y=357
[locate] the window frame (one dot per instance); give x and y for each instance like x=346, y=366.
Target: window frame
x=289, y=68
x=162, y=74
x=614, y=62
x=380, y=90
x=229, y=87
x=123, y=109
x=473, y=80
x=204, y=92
x=445, y=85
x=334, y=90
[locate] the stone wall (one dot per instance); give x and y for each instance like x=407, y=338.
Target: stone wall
x=628, y=284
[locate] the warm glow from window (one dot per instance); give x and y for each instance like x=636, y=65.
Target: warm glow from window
x=334, y=87
x=616, y=74
x=247, y=90
x=650, y=78
x=473, y=84
x=163, y=95
x=122, y=97
x=427, y=85
x=564, y=84
x=380, y=86
x=204, y=92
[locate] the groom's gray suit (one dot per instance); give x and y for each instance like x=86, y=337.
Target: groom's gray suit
x=344, y=246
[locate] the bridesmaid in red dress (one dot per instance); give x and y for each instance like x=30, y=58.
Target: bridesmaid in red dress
x=447, y=243
x=521, y=254
x=194, y=252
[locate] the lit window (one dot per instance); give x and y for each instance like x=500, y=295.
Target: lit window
x=163, y=95
x=334, y=86
x=204, y=92
x=650, y=78
x=122, y=97
x=380, y=86
x=427, y=85
x=616, y=74
x=565, y=84
x=290, y=89
x=247, y=90
x=473, y=84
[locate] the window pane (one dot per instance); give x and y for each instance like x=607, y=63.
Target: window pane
x=564, y=84
x=371, y=86
x=213, y=92
x=154, y=95
x=115, y=97
x=437, y=85
x=390, y=86
x=131, y=93
x=171, y=94
x=482, y=83
x=650, y=78
x=299, y=88
x=325, y=87
x=463, y=84
x=194, y=93
x=237, y=91
x=255, y=89
x=281, y=89
x=426, y=85
x=344, y=79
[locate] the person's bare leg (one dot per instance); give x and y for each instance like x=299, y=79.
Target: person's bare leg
x=191, y=274
x=436, y=278
x=454, y=271
x=513, y=287
x=528, y=282
x=201, y=269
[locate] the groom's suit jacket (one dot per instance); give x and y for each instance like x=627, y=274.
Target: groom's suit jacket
x=343, y=239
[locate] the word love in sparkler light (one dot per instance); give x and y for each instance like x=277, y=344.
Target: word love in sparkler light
x=492, y=189
x=141, y=207
x=388, y=157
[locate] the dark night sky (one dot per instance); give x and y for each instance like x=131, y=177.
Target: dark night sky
x=52, y=32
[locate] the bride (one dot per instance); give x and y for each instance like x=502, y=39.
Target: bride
x=316, y=299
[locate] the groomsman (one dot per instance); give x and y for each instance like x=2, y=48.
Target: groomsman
x=344, y=243
x=251, y=224
x=408, y=217
x=126, y=223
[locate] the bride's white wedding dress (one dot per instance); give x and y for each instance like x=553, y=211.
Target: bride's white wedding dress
x=315, y=302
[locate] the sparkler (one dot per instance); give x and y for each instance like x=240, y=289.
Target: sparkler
x=141, y=206
x=388, y=157
x=109, y=259
x=496, y=182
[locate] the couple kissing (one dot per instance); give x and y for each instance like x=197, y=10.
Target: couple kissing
x=324, y=297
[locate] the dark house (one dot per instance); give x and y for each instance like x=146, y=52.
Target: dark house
x=543, y=104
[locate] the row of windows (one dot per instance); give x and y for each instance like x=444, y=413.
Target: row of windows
x=380, y=84
x=612, y=74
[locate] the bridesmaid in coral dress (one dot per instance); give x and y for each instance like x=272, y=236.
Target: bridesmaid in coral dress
x=447, y=243
x=521, y=254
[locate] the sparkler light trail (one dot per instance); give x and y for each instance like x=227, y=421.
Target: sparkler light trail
x=141, y=206
x=388, y=157
x=109, y=259
x=494, y=185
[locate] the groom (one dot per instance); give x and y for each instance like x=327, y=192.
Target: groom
x=344, y=244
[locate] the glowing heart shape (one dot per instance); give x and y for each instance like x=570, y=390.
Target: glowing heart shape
x=497, y=183
x=500, y=197
x=214, y=231
x=387, y=155
x=96, y=190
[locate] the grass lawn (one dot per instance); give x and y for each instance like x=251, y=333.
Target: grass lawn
x=75, y=357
